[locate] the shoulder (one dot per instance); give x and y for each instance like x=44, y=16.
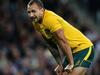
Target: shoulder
x=49, y=17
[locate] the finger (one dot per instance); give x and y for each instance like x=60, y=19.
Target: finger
x=59, y=73
x=69, y=70
x=69, y=67
x=59, y=69
x=65, y=73
x=56, y=68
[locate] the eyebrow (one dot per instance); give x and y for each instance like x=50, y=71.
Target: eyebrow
x=32, y=10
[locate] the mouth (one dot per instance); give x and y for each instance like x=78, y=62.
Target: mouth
x=34, y=19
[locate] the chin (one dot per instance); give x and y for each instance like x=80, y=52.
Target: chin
x=36, y=20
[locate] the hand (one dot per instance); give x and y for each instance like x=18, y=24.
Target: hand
x=69, y=68
x=59, y=69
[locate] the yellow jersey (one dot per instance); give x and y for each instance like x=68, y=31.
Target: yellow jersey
x=52, y=22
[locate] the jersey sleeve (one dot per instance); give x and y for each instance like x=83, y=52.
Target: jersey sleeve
x=53, y=24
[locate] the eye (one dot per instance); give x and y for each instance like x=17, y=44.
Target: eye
x=33, y=11
x=29, y=12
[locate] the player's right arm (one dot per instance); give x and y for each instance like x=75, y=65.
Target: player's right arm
x=54, y=25
x=59, y=35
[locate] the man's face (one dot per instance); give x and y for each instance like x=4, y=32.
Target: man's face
x=35, y=12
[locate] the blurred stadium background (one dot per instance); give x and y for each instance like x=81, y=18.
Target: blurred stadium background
x=22, y=51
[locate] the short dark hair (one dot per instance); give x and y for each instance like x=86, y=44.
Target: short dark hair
x=38, y=2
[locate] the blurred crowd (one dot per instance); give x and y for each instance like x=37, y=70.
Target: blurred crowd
x=22, y=50
x=92, y=7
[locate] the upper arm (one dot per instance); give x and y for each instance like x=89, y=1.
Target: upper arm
x=61, y=39
x=59, y=34
x=53, y=23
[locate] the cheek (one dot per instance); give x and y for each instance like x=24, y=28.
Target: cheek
x=28, y=14
x=38, y=14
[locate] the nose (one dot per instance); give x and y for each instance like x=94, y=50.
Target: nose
x=31, y=14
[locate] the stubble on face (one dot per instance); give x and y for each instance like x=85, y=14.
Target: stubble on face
x=35, y=12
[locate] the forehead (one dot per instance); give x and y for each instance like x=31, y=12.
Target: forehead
x=33, y=6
